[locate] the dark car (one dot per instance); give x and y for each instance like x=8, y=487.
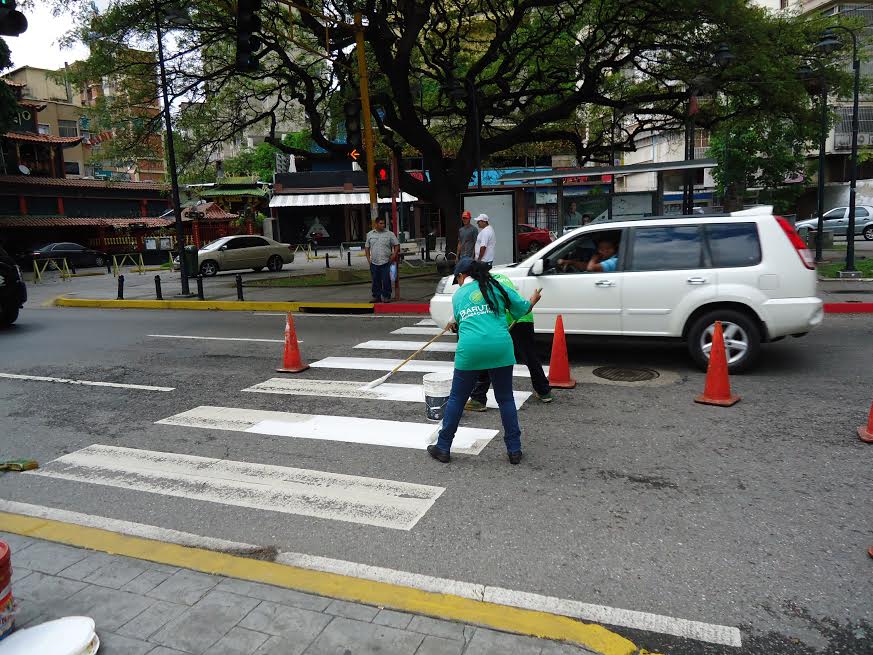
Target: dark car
x=75, y=254
x=13, y=292
x=530, y=239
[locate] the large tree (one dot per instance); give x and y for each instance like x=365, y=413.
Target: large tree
x=576, y=74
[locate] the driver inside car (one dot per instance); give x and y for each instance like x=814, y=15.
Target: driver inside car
x=604, y=260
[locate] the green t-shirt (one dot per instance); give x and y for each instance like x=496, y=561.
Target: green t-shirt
x=507, y=284
x=483, y=337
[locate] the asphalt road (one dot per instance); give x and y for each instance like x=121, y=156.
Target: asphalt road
x=756, y=516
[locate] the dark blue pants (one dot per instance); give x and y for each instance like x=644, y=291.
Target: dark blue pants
x=462, y=385
x=381, y=275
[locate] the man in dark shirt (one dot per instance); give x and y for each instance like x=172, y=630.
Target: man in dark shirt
x=467, y=234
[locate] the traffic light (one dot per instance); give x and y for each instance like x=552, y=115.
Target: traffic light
x=352, y=111
x=248, y=24
x=12, y=22
x=383, y=181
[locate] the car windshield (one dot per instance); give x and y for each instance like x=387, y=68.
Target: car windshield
x=215, y=245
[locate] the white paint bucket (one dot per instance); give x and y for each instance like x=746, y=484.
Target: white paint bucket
x=437, y=387
x=73, y=635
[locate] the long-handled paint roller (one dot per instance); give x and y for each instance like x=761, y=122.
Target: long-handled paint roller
x=384, y=378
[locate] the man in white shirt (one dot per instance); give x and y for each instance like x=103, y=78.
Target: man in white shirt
x=486, y=241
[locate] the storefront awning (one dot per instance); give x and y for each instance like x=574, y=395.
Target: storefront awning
x=330, y=199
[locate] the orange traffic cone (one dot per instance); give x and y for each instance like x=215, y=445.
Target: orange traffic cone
x=718, y=386
x=291, y=360
x=866, y=433
x=559, y=365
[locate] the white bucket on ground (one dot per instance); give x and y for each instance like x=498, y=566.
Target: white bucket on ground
x=437, y=387
x=73, y=635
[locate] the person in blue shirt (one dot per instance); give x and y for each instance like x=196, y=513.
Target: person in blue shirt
x=605, y=260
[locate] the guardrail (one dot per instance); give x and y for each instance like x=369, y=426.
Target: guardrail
x=63, y=268
x=135, y=260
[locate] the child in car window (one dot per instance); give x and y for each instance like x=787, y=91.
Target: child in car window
x=604, y=260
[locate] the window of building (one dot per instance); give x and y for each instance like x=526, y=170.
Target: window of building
x=71, y=168
x=68, y=128
x=44, y=128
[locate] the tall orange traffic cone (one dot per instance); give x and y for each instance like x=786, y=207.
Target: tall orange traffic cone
x=718, y=386
x=559, y=365
x=866, y=433
x=291, y=360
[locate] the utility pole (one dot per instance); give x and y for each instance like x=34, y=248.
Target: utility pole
x=366, y=118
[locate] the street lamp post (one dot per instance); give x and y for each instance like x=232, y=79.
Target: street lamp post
x=171, y=157
x=829, y=43
x=816, y=85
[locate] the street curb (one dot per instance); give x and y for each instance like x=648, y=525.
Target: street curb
x=219, y=305
x=848, y=307
x=332, y=585
x=401, y=308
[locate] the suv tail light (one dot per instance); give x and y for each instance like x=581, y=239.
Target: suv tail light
x=802, y=251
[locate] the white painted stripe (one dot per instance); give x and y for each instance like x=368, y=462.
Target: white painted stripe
x=707, y=632
x=349, y=429
x=428, y=321
x=351, y=498
x=407, y=393
x=89, y=383
x=187, y=336
x=415, y=366
x=436, y=346
x=428, y=331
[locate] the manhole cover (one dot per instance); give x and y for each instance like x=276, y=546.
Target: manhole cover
x=619, y=374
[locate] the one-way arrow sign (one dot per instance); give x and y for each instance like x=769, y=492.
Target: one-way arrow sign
x=354, y=154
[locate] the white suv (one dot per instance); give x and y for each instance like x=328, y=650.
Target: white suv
x=675, y=277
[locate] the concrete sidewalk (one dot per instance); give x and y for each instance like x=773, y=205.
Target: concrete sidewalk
x=144, y=608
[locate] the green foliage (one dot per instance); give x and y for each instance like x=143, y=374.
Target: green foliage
x=259, y=161
x=8, y=103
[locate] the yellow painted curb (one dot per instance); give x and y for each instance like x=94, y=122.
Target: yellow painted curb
x=223, y=305
x=381, y=594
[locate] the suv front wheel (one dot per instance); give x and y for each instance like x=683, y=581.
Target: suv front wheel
x=742, y=339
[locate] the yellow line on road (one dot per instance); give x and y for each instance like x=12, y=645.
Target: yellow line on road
x=224, y=305
x=332, y=585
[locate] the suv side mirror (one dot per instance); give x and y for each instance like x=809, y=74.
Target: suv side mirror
x=537, y=268
x=224, y=247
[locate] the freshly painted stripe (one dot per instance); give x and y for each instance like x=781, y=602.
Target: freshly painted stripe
x=429, y=322
x=436, y=346
x=401, y=308
x=713, y=633
x=378, y=594
x=415, y=366
x=89, y=383
x=349, y=429
x=189, y=336
x=848, y=307
x=420, y=331
x=334, y=496
x=407, y=393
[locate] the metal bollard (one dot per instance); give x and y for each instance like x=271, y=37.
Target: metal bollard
x=326, y=261
x=158, y=294
x=422, y=254
x=315, y=249
x=239, y=289
x=349, y=256
x=200, y=287
x=108, y=266
x=121, y=287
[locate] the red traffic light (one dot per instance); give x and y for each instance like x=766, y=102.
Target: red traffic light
x=383, y=174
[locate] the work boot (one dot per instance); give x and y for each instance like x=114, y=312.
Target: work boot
x=439, y=454
x=545, y=398
x=475, y=406
x=514, y=458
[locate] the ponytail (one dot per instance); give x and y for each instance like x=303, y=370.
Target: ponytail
x=487, y=286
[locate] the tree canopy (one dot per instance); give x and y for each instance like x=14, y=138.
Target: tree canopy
x=516, y=72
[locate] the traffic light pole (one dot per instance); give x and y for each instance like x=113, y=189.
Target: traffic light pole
x=365, y=118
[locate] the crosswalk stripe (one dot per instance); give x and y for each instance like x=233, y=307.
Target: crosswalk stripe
x=349, y=429
x=428, y=321
x=408, y=393
x=87, y=383
x=187, y=336
x=351, y=498
x=420, y=331
x=436, y=346
x=415, y=366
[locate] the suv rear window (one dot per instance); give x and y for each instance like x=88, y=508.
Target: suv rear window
x=734, y=244
x=667, y=248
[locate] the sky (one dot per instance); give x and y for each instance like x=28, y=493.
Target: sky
x=38, y=45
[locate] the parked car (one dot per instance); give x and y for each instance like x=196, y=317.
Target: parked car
x=13, y=291
x=675, y=277
x=231, y=253
x=75, y=254
x=530, y=238
x=837, y=221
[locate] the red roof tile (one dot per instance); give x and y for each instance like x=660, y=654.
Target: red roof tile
x=212, y=210
x=81, y=221
x=29, y=137
x=69, y=182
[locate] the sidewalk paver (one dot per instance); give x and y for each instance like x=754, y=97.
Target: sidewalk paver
x=143, y=608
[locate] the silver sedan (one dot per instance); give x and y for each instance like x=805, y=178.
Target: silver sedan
x=837, y=221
